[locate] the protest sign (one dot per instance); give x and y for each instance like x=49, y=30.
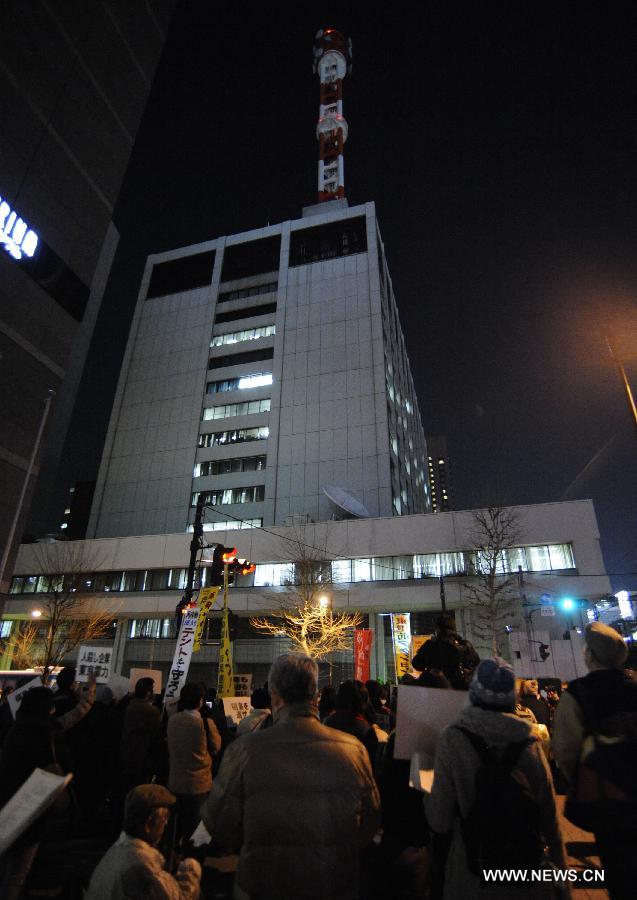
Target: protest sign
x=362, y=648
x=38, y=792
x=417, y=640
x=401, y=641
x=235, y=709
x=183, y=653
x=94, y=661
x=422, y=713
x=119, y=685
x=205, y=602
x=242, y=684
x=155, y=674
x=15, y=699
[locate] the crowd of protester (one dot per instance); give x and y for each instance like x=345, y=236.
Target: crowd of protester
x=307, y=790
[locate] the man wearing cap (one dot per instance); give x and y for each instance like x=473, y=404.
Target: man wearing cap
x=132, y=867
x=602, y=702
x=298, y=800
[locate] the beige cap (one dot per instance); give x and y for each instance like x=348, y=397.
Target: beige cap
x=141, y=801
x=607, y=645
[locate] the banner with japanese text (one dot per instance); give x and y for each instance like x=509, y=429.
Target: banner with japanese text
x=401, y=641
x=225, y=682
x=207, y=597
x=183, y=652
x=362, y=649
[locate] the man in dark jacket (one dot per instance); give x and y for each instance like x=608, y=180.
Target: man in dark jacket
x=604, y=702
x=450, y=654
x=139, y=737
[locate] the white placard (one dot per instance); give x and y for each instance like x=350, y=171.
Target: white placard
x=183, y=653
x=119, y=685
x=236, y=709
x=421, y=714
x=28, y=803
x=16, y=697
x=155, y=674
x=94, y=661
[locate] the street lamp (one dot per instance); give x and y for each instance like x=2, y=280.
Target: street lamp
x=36, y=613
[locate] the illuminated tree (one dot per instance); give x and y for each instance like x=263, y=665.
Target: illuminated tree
x=493, y=590
x=69, y=612
x=303, y=612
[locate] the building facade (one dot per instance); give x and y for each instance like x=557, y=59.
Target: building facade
x=377, y=566
x=268, y=372
x=74, y=87
x=439, y=471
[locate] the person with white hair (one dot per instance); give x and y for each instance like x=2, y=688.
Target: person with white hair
x=297, y=801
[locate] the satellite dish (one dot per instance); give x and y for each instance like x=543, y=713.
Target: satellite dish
x=344, y=505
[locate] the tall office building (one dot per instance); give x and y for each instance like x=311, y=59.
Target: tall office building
x=439, y=468
x=75, y=80
x=268, y=371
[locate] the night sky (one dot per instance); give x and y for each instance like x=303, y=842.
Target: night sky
x=499, y=143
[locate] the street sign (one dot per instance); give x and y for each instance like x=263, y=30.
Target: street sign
x=547, y=611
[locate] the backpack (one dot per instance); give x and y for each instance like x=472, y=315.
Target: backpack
x=502, y=829
x=604, y=793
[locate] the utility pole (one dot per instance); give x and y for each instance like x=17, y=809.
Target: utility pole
x=196, y=544
x=612, y=347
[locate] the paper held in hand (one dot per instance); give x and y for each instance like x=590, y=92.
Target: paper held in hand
x=422, y=713
x=38, y=792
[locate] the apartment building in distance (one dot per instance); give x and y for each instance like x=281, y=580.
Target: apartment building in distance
x=267, y=371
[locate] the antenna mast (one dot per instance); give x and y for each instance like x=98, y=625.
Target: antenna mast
x=332, y=62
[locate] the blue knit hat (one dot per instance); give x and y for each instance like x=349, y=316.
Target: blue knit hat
x=493, y=685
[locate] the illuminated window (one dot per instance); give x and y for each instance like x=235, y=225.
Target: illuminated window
x=236, y=409
x=248, y=334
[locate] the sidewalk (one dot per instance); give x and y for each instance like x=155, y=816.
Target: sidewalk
x=581, y=854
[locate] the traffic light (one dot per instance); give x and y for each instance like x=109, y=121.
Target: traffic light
x=569, y=604
x=544, y=652
x=220, y=556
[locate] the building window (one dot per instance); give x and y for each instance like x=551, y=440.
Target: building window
x=342, y=238
x=248, y=312
x=5, y=628
x=238, y=436
x=239, y=359
x=236, y=409
x=226, y=466
x=273, y=574
x=225, y=496
x=248, y=334
x=183, y=274
x=251, y=258
x=270, y=288
x=259, y=379
x=232, y=525
x=155, y=629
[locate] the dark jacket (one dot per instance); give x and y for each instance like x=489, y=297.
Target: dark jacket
x=139, y=742
x=358, y=727
x=451, y=654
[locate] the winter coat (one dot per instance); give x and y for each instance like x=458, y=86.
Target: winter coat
x=138, y=745
x=453, y=793
x=255, y=720
x=359, y=727
x=131, y=868
x=189, y=754
x=297, y=801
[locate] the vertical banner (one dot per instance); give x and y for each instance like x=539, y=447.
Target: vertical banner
x=207, y=597
x=362, y=647
x=417, y=641
x=183, y=652
x=225, y=683
x=401, y=640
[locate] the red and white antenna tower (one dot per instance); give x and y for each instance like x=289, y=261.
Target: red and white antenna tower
x=332, y=62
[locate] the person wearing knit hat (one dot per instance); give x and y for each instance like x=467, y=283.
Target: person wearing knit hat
x=133, y=867
x=490, y=718
x=604, y=703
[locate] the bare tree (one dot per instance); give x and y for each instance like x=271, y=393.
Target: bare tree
x=70, y=612
x=303, y=612
x=493, y=590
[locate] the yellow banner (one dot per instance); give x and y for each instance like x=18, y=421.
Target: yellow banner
x=225, y=682
x=207, y=597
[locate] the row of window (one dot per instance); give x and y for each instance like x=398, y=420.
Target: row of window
x=259, y=379
x=239, y=359
x=253, y=494
x=226, y=466
x=233, y=314
x=236, y=409
x=248, y=334
x=269, y=288
x=237, y=436
x=538, y=558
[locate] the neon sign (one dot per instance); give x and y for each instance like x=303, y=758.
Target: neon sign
x=15, y=234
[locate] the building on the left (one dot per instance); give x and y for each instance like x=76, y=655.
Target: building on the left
x=75, y=81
